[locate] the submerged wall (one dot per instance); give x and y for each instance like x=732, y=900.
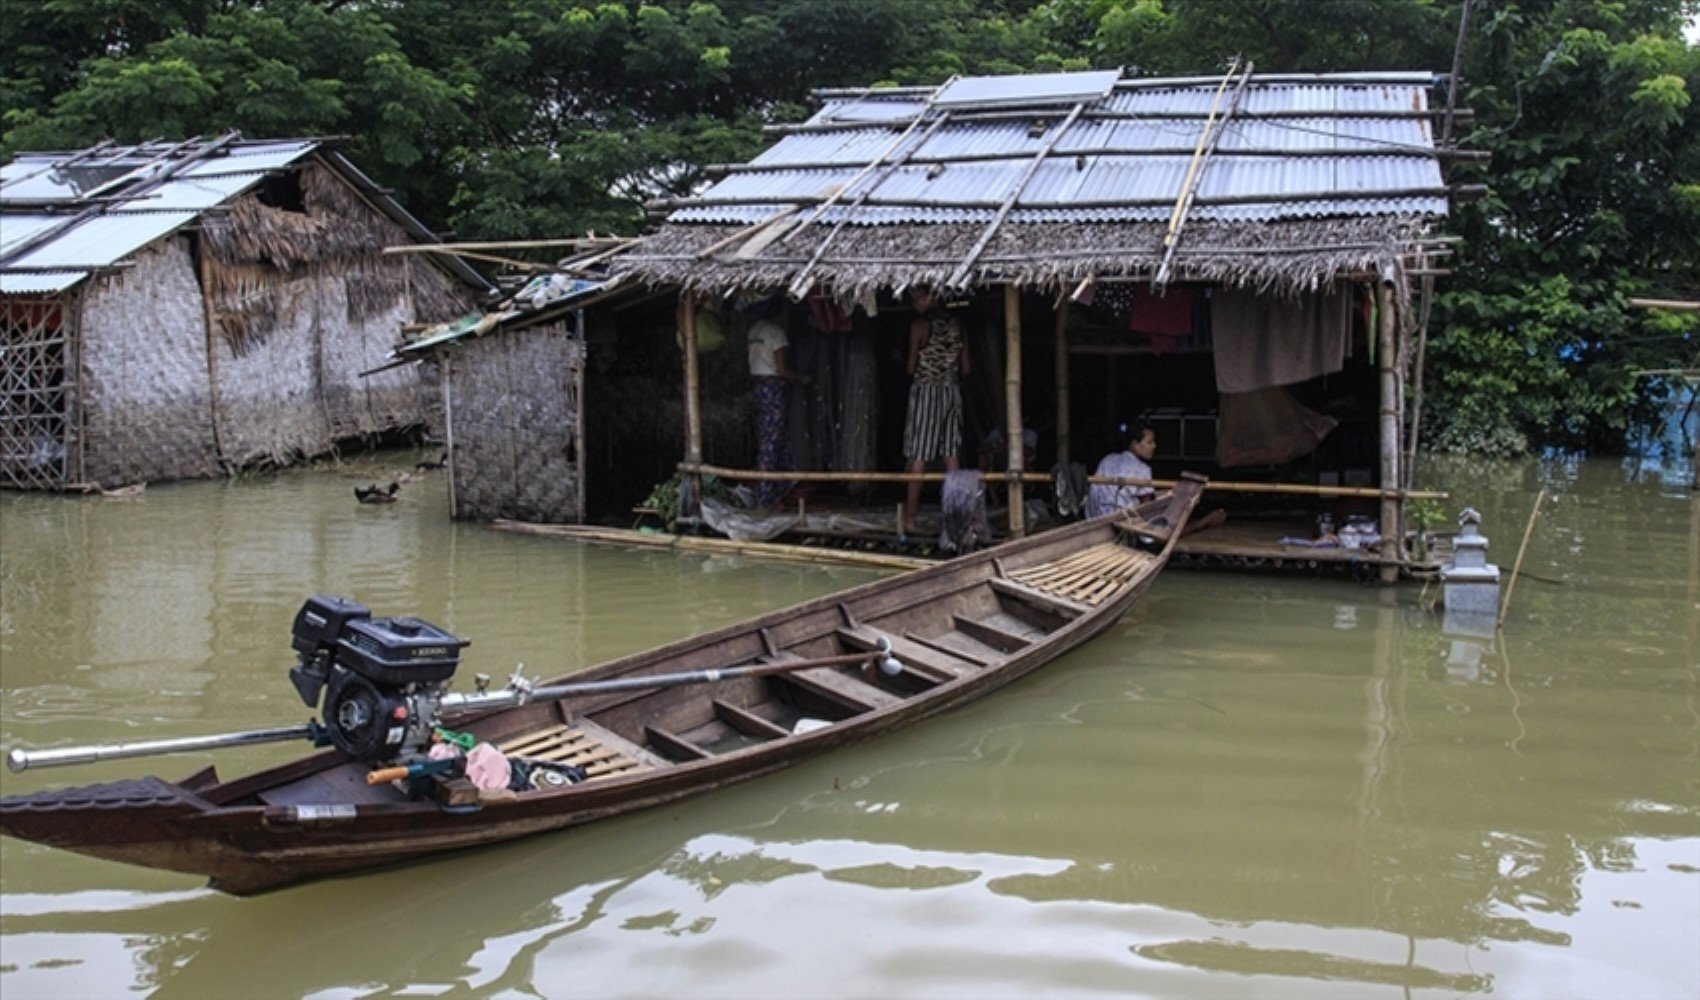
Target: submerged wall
x=514, y=425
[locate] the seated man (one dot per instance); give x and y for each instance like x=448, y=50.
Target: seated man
x=1128, y=464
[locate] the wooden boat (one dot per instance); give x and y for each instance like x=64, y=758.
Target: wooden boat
x=957, y=631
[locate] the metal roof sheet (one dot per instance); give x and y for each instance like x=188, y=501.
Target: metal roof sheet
x=152, y=208
x=38, y=282
x=1032, y=89
x=16, y=229
x=102, y=240
x=1271, y=162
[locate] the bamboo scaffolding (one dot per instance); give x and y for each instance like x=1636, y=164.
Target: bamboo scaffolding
x=1215, y=485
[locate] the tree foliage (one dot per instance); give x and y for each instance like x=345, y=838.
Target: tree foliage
x=530, y=118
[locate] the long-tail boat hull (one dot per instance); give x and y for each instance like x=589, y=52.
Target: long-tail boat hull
x=959, y=630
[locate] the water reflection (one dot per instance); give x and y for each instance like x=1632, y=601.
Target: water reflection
x=1252, y=785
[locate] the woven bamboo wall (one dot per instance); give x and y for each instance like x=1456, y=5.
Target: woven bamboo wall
x=146, y=414
x=516, y=409
x=304, y=302
x=298, y=390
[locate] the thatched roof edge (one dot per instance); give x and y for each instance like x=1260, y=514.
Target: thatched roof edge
x=1288, y=257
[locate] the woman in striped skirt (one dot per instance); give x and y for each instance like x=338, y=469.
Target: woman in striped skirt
x=933, y=427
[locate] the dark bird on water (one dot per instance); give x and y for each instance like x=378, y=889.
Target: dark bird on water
x=376, y=494
x=427, y=466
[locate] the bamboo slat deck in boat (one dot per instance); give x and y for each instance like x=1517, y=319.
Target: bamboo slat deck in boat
x=1087, y=577
x=581, y=744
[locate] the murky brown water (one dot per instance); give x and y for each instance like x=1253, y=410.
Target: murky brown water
x=1253, y=786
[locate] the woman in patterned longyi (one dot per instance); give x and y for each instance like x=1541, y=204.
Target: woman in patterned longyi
x=933, y=427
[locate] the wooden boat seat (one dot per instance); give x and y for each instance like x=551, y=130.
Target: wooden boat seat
x=585, y=744
x=836, y=685
x=964, y=647
x=1085, y=579
x=933, y=665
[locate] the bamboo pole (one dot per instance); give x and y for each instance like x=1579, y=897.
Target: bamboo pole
x=1678, y=305
x=579, y=461
x=211, y=319
x=1062, y=382
x=1392, y=540
x=713, y=546
x=581, y=243
x=1012, y=409
x=1207, y=137
x=693, y=400
x=449, y=430
x=1529, y=529
x=1290, y=489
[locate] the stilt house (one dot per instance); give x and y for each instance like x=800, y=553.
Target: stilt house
x=174, y=310
x=1233, y=257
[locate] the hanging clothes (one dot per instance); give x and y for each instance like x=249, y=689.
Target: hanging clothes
x=1267, y=427
x=1166, y=320
x=1263, y=341
x=827, y=315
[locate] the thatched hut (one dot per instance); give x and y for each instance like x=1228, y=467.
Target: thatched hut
x=1269, y=228
x=171, y=311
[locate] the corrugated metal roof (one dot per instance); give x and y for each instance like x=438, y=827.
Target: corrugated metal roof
x=101, y=241
x=1273, y=160
x=38, y=283
x=132, y=207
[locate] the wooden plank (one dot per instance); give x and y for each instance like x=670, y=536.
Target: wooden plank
x=534, y=743
x=980, y=655
x=852, y=693
x=1143, y=530
x=1044, y=600
x=991, y=635
x=609, y=738
x=748, y=723
x=930, y=665
x=674, y=745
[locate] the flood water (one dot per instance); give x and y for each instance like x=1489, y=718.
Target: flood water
x=1252, y=786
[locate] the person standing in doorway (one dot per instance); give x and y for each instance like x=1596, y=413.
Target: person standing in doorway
x=771, y=375
x=932, y=429
x=1132, y=463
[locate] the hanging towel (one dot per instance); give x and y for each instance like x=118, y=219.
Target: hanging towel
x=1263, y=341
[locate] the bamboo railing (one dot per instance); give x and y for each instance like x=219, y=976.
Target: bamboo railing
x=1215, y=485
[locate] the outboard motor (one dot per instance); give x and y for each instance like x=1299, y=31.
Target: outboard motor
x=382, y=679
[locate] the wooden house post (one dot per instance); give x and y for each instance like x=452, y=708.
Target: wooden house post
x=693, y=400
x=1012, y=409
x=1386, y=356
x=449, y=429
x=1062, y=383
